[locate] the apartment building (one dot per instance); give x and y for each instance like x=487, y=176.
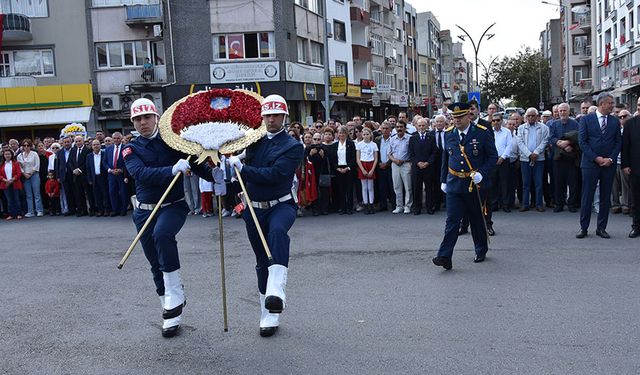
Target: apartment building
x=45, y=78
x=550, y=48
x=429, y=66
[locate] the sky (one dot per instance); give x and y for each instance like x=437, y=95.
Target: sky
x=518, y=22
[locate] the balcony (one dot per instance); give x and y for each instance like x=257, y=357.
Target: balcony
x=585, y=84
x=148, y=77
x=144, y=14
x=584, y=53
x=16, y=28
x=360, y=15
x=361, y=53
x=584, y=21
x=18, y=81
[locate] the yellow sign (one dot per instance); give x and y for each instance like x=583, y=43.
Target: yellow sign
x=353, y=91
x=338, y=85
x=44, y=97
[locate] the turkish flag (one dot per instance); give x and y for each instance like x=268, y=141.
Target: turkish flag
x=606, y=54
x=236, y=46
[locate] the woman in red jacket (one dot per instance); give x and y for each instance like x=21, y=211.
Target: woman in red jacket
x=10, y=183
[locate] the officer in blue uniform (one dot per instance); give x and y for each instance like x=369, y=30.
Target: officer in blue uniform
x=469, y=155
x=268, y=172
x=153, y=165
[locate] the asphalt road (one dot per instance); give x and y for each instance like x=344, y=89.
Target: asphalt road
x=363, y=298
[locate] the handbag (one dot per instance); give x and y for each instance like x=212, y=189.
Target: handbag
x=325, y=179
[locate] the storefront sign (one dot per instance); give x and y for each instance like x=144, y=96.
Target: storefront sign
x=403, y=100
x=384, y=88
x=634, y=73
x=304, y=73
x=244, y=72
x=338, y=85
x=367, y=86
x=353, y=91
x=375, y=100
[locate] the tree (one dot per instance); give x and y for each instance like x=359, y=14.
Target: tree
x=519, y=78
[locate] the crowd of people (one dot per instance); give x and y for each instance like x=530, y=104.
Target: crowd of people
x=359, y=166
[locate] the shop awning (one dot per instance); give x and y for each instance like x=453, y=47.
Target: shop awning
x=13, y=119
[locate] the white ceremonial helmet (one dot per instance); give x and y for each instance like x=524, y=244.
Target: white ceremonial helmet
x=143, y=106
x=274, y=105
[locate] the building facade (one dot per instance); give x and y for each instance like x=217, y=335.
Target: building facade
x=551, y=47
x=45, y=77
x=429, y=61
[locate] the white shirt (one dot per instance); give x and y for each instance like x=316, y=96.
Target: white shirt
x=8, y=170
x=367, y=150
x=342, y=153
x=271, y=135
x=96, y=162
x=503, y=140
x=384, y=149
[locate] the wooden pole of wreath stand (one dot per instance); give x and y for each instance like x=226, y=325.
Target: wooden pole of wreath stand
x=253, y=215
x=150, y=218
x=222, y=274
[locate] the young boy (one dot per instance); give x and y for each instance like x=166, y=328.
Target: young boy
x=52, y=188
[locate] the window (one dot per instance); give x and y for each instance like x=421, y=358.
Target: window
x=108, y=3
x=339, y=32
x=376, y=44
x=341, y=68
x=29, y=8
x=580, y=43
x=31, y=63
x=243, y=46
x=375, y=13
x=399, y=60
x=128, y=54
x=389, y=77
x=376, y=72
x=423, y=68
x=398, y=34
x=312, y=5
x=389, y=51
x=316, y=53
x=302, y=50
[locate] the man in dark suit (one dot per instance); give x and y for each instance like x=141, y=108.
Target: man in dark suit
x=77, y=163
x=113, y=162
x=630, y=165
x=600, y=142
x=422, y=153
x=439, y=132
x=97, y=179
x=65, y=177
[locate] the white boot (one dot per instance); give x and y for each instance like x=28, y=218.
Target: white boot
x=173, y=303
x=161, y=301
x=276, y=284
x=268, y=322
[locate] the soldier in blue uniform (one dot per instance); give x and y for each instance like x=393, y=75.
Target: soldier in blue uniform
x=268, y=172
x=469, y=155
x=153, y=165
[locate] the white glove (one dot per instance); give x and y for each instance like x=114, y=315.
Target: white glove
x=477, y=177
x=242, y=155
x=181, y=166
x=443, y=187
x=234, y=161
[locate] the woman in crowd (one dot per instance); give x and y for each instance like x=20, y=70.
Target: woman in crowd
x=367, y=159
x=10, y=183
x=298, y=128
x=30, y=167
x=342, y=155
x=43, y=155
x=317, y=156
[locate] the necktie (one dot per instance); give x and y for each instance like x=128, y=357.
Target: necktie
x=439, y=143
x=116, y=152
x=78, y=155
x=603, y=125
x=421, y=137
x=462, y=138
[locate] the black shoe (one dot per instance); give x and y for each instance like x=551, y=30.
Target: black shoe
x=506, y=209
x=490, y=231
x=349, y=212
x=273, y=304
x=582, y=234
x=573, y=209
x=315, y=214
x=431, y=211
x=462, y=231
x=268, y=331
x=171, y=331
x=602, y=233
x=635, y=232
x=479, y=258
x=417, y=212
x=443, y=262
x=113, y=214
x=558, y=208
x=340, y=212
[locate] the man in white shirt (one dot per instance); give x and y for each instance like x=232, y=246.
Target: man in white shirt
x=401, y=169
x=501, y=174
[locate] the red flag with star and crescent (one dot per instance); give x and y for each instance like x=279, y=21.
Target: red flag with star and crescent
x=606, y=54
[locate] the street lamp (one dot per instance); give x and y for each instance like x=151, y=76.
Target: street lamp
x=566, y=43
x=476, y=47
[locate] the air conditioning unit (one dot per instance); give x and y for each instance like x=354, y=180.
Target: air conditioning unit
x=125, y=102
x=388, y=60
x=157, y=31
x=110, y=103
x=329, y=30
x=156, y=98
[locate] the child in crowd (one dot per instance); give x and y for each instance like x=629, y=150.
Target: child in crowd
x=367, y=159
x=52, y=188
x=206, y=192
